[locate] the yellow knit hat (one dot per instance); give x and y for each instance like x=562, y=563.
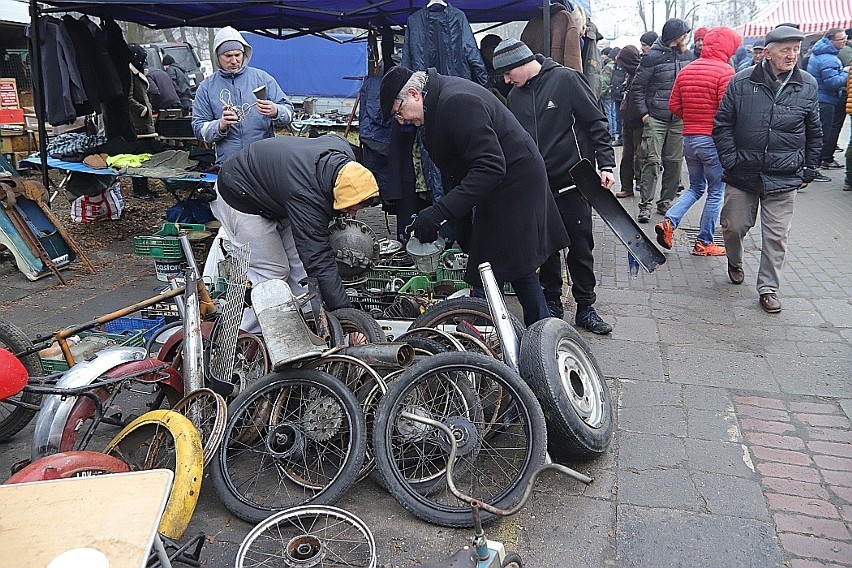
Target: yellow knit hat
x=354, y=184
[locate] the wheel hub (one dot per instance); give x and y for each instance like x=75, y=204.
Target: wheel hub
x=322, y=419
x=412, y=431
x=286, y=441
x=465, y=434
x=304, y=551
x=581, y=384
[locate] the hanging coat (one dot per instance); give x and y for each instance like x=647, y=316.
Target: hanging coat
x=496, y=167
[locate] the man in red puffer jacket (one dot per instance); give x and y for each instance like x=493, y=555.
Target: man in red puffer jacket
x=695, y=97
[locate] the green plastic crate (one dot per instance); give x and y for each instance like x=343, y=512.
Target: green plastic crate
x=164, y=244
x=51, y=365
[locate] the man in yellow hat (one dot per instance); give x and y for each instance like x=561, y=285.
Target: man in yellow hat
x=279, y=195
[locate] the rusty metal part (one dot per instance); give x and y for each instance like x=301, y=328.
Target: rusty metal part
x=383, y=355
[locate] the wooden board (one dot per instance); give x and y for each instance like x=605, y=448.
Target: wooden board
x=116, y=514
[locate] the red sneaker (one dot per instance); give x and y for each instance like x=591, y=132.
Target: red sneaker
x=700, y=249
x=665, y=231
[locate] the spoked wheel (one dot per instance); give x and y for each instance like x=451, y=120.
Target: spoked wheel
x=368, y=387
x=359, y=327
x=446, y=339
x=309, y=536
x=14, y=418
x=494, y=469
x=208, y=412
x=466, y=315
x=294, y=437
x=250, y=361
x=565, y=377
x=165, y=439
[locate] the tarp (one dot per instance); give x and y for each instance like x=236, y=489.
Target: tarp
x=813, y=16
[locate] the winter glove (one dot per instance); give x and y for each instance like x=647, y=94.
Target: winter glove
x=809, y=175
x=425, y=227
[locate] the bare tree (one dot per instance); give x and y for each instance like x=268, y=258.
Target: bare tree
x=640, y=9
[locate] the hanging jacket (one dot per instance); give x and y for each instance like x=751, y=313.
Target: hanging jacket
x=235, y=89
x=699, y=87
x=63, y=85
x=826, y=68
x=592, y=57
x=564, y=36
x=117, y=111
x=765, y=139
x=655, y=79
x=443, y=39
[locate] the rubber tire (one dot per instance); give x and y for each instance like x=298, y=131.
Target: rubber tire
x=253, y=512
x=15, y=340
x=570, y=437
x=356, y=320
x=403, y=492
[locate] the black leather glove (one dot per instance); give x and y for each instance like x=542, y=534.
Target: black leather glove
x=809, y=175
x=426, y=225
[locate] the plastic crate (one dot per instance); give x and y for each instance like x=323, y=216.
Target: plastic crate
x=380, y=276
x=130, y=326
x=137, y=339
x=164, y=244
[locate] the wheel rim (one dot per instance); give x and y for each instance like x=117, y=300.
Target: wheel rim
x=309, y=536
x=208, y=412
x=250, y=361
x=581, y=382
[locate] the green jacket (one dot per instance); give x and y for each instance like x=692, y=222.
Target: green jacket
x=606, y=80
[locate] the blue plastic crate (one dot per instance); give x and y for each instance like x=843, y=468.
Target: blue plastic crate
x=130, y=326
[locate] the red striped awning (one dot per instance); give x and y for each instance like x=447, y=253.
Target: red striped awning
x=813, y=16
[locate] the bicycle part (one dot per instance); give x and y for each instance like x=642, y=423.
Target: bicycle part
x=309, y=536
x=467, y=315
x=193, y=343
x=13, y=374
x=165, y=439
x=68, y=464
x=187, y=553
x=13, y=418
x=228, y=323
x=497, y=468
x=294, y=437
x=359, y=327
x=208, y=412
x=250, y=361
x=382, y=355
x=443, y=337
x=471, y=343
x=53, y=417
x=285, y=331
x=368, y=387
x=563, y=373
x=510, y=342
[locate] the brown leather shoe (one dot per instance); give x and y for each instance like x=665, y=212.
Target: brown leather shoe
x=770, y=303
x=623, y=194
x=736, y=274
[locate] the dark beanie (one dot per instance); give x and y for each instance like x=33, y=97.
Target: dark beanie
x=138, y=56
x=392, y=83
x=230, y=45
x=648, y=38
x=168, y=59
x=673, y=29
x=511, y=53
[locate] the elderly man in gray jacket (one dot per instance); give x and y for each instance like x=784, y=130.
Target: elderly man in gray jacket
x=768, y=135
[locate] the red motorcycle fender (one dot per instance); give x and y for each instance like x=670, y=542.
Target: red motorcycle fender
x=173, y=344
x=69, y=464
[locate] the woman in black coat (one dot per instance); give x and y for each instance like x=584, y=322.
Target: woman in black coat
x=495, y=167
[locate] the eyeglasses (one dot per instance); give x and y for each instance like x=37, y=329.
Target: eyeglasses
x=397, y=113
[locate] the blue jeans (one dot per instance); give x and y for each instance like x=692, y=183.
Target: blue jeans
x=611, y=118
x=705, y=173
x=530, y=296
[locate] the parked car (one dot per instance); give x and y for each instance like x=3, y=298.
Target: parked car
x=184, y=55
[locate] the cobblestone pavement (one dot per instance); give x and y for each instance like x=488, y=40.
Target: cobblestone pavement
x=733, y=444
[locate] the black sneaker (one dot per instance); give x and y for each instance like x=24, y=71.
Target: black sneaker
x=591, y=321
x=555, y=308
x=644, y=214
x=822, y=178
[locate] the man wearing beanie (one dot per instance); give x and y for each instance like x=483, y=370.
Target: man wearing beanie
x=698, y=41
x=663, y=130
x=493, y=166
x=646, y=40
x=767, y=155
x=557, y=107
x=181, y=82
x=280, y=195
x=226, y=112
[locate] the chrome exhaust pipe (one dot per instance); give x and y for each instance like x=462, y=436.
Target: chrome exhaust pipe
x=193, y=347
x=382, y=355
x=509, y=341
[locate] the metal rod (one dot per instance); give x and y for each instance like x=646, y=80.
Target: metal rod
x=193, y=347
x=38, y=88
x=509, y=342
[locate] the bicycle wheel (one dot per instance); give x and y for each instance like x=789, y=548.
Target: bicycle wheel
x=165, y=439
x=311, y=535
x=208, y=412
x=14, y=418
x=250, y=361
x=294, y=437
x=359, y=327
x=494, y=469
x=69, y=464
x=565, y=377
x=466, y=315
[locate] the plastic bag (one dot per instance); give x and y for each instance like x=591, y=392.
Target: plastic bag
x=107, y=205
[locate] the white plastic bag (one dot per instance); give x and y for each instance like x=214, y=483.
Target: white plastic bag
x=107, y=205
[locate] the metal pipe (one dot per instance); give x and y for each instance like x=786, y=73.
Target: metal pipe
x=193, y=348
x=395, y=355
x=509, y=342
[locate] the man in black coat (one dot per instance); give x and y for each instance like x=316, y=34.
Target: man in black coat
x=180, y=81
x=662, y=138
x=161, y=90
x=557, y=107
x=279, y=195
x=768, y=134
x=500, y=201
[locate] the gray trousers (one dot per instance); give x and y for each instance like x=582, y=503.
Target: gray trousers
x=273, y=251
x=662, y=144
x=739, y=214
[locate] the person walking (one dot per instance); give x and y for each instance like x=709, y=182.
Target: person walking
x=627, y=63
x=831, y=78
x=695, y=98
x=500, y=202
x=662, y=137
x=766, y=155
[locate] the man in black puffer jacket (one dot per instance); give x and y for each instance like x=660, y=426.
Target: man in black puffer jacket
x=663, y=131
x=767, y=131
